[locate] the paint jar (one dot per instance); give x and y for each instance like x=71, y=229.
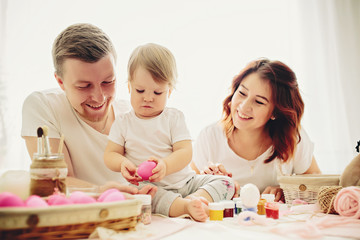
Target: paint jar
x=145, y=215
x=268, y=197
x=261, y=207
x=229, y=207
x=238, y=205
x=216, y=211
x=47, y=172
x=272, y=210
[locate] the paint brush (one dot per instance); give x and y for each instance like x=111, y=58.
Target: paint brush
x=46, y=140
x=61, y=144
x=40, y=133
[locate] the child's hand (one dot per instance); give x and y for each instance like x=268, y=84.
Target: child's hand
x=128, y=170
x=159, y=172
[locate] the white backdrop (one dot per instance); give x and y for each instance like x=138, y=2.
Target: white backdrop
x=212, y=41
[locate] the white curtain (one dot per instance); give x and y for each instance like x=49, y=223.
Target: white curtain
x=212, y=41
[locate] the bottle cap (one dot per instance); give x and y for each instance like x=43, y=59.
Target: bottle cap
x=228, y=203
x=268, y=197
x=216, y=206
x=145, y=198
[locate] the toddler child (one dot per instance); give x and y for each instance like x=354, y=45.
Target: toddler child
x=152, y=131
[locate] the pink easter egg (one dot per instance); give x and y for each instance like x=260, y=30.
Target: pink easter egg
x=114, y=196
x=58, y=199
x=8, y=199
x=105, y=193
x=145, y=169
x=36, y=201
x=79, y=197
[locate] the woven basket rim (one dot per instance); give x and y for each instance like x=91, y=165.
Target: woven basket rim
x=309, y=178
x=68, y=207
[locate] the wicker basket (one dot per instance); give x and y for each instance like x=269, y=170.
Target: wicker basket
x=74, y=221
x=305, y=187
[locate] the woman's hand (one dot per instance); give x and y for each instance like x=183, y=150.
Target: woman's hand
x=277, y=191
x=128, y=170
x=159, y=172
x=216, y=169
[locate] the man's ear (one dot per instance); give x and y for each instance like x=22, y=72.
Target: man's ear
x=60, y=81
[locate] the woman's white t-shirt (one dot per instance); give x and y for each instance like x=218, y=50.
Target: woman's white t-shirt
x=212, y=147
x=86, y=146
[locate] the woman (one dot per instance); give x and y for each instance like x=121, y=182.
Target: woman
x=259, y=136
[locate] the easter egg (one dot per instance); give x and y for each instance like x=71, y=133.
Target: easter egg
x=36, y=201
x=79, y=197
x=58, y=199
x=114, y=196
x=145, y=169
x=250, y=195
x=105, y=193
x=8, y=199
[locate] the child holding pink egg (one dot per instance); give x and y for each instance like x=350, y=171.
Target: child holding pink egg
x=158, y=134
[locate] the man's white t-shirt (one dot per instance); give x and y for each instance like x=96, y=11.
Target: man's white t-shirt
x=86, y=146
x=212, y=147
x=145, y=138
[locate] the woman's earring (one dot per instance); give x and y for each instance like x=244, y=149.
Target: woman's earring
x=272, y=118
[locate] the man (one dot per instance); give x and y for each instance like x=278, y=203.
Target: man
x=83, y=110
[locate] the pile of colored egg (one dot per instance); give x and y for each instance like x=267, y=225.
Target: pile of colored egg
x=8, y=199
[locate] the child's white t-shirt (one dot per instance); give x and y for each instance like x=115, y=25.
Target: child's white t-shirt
x=145, y=138
x=212, y=147
x=86, y=146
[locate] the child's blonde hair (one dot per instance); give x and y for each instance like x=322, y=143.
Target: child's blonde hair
x=156, y=59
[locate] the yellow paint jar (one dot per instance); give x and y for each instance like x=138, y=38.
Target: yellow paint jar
x=216, y=211
x=261, y=207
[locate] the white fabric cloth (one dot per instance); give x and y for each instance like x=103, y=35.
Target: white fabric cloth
x=212, y=146
x=86, y=146
x=144, y=138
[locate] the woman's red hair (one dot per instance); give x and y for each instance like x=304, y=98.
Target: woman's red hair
x=288, y=106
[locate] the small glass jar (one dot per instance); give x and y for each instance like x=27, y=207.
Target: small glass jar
x=145, y=215
x=48, y=172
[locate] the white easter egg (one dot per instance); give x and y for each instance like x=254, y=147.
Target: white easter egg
x=250, y=195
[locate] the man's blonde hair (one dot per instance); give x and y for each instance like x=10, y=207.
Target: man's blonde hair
x=81, y=41
x=156, y=59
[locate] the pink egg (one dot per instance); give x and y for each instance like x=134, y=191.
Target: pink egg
x=105, y=193
x=35, y=201
x=114, y=196
x=81, y=197
x=8, y=199
x=57, y=199
x=145, y=169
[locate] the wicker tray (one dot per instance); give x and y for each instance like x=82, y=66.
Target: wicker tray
x=74, y=221
x=305, y=187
